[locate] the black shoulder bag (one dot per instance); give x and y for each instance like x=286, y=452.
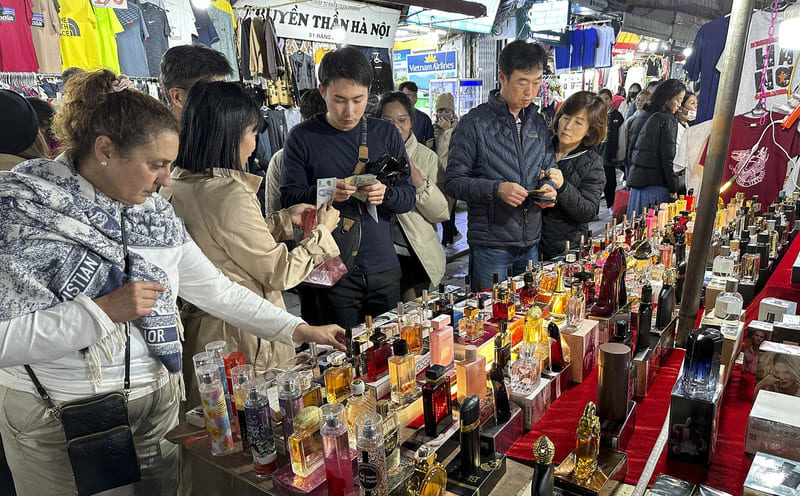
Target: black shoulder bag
x=99, y=437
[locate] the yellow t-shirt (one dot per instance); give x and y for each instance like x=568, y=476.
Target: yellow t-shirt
x=78, y=38
x=225, y=6
x=107, y=27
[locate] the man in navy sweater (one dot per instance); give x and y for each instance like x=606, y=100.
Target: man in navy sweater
x=328, y=146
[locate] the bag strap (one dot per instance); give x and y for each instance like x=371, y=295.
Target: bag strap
x=363, y=150
x=126, y=387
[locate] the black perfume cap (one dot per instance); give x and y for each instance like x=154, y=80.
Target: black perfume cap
x=470, y=410
x=400, y=347
x=441, y=289
x=434, y=372
x=621, y=328
x=552, y=330
x=348, y=340
x=751, y=248
x=495, y=278
x=731, y=285
x=502, y=325
x=762, y=238
x=377, y=338
x=647, y=294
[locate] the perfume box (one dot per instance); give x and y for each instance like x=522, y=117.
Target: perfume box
x=774, y=425
x=606, y=324
x=703, y=490
x=712, y=291
x=693, y=426
x=784, y=332
x=776, y=306
x=762, y=326
x=778, y=368
x=499, y=438
x=612, y=467
x=583, y=345
x=665, y=339
x=616, y=435
x=286, y=483
x=479, y=483
x=667, y=485
x=646, y=363
x=772, y=475
x=559, y=381
x=534, y=404
x=796, y=270
x=380, y=388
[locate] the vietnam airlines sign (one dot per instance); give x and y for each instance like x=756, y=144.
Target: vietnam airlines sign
x=431, y=62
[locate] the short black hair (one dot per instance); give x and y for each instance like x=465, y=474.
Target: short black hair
x=630, y=88
x=345, y=63
x=44, y=112
x=663, y=93
x=214, y=119
x=686, y=97
x=184, y=65
x=68, y=73
x=653, y=84
x=311, y=103
x=408, y=85
x=521, y=56
x=399, y=97
x=606, y=91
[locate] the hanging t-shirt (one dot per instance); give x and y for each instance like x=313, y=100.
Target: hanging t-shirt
x=108, y=26
x=562, y=55
x=226, y=36
x=762, y=172
x=79, y=39
x=45, y=30
x=701, y=64
x=181, y=22
x=17, y=53
x=576, y=49
x=605, y=41
x=130, y=43
x=589, y=47
x=206, y=33
x=635, y=74
x=155, y=18
x=779, y=66
x=653, y=67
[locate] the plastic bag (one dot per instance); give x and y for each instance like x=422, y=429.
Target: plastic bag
x=328, y=273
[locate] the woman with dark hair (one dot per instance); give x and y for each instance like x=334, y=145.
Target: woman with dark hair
x=652, y=149
x=88, y=250
x=579, y=126
x=686, y=114
x=416, y=240
x=630, y=100
x=217, y=201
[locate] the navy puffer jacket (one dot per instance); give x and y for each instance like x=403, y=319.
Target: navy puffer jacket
x=485, y=151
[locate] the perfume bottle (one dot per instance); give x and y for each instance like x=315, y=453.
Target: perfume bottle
x=666, y=300
x=436, y=402
x=729, y=308
x=559, y=297
x=762, y=246
x=576, y=306
x=471, y=324
x=338, y=377
x=426, y=312
x=305, y=445
x=527, y=295
x=722, y=267
x=215, y=412
x=441, y=342
x=587, y=443
x=391, y=435
x=502, y=355
x=259, y=427
x=336, y=449
x=700, y=375
x=609, y=285
x=290, y=399
x=361, y=401
x=471, y=374
x=645, y=320
x=533, y=325
x=411, y=330
x=217, y=350
x=680, y=272
x=543, y=471
x=378, y=356
x=402, y=373
x=526, y=370
x=557, y=360
x=495, y=288
x=240, y=375
x=622, y=333
x=312, y=392
x=470, y=436
x=430, y=477
x=751, y=261
x=372, y=473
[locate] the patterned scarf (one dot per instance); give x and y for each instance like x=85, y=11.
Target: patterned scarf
x=56, y=242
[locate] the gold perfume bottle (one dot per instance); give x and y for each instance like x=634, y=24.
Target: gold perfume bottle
x=430, y=477
x=312, y=392
x=533, y=325
x=391, y=435
x=559, y=298
x=410, y=329
x=338, y=378
x=402, y=373
x=587, y=443
x=361, y=401
x=305, y=445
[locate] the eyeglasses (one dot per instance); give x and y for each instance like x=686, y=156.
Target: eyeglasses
x=401, y=119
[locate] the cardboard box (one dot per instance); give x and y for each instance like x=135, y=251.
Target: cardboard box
x=667, y=485
x=783, y=332
x=796, y=270
x=693, y=426
x=774, y=426
x=582, y=349
x=776, y=306
x=534, y=404
x=778, y=369
x=771, y=475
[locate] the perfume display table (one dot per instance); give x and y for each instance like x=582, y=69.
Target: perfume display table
x=779, y=285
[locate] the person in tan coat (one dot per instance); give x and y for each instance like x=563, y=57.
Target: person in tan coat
x=416, y=241
x=217, y=201
x=445, y=123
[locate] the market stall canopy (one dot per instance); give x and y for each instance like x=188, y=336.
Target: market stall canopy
x=472, y=9
x=709, y=9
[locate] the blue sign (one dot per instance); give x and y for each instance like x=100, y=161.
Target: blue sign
x=432, y=62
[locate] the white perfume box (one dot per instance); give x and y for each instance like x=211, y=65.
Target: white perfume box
x=774, y=425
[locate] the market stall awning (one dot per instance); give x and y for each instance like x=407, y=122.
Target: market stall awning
x=472, y=9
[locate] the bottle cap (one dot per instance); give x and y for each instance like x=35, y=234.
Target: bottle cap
x=441, y=289
x=669, y=276
x=333, y=414
x=647, y=293
x=544, y=451
x=731, y=285
x=734, y=245
x=368, y=426
x=621, y=328
x=725, y=250
x=434, y=372
x=207, y=374
x=233, y=359
x=383, y=407
x=510, y=272
x=306, y=376
x=378, y=338
x=471, y=352
x=357, y=387
x=762, y=238
x=368, y=321
x=771, y=225
x=217, y=348
x=470, y=410
x=289, y=384
x=400, y=347
x=552, y=330
x=337, y=358
x=526, y=350
x=751, y=248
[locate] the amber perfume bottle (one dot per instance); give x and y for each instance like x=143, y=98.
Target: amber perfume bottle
x=305, y=445
x=378, y=356
x=429, y=478
x=559, y=297
x=338, y=377
x=527, y=295
x=361, y=401
x=471, y=324
x=436, y=402
x=502, y=355
x=402, y=373
x=587, y=443
x=533, y=325
x=543, y=471
x=411, y=330
x=471, y=374
x=312, y=392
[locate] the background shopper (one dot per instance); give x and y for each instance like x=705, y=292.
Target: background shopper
x=423, y=128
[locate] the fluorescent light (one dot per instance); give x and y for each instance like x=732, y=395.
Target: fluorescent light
x=687, y=51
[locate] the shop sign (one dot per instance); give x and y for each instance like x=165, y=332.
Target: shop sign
x=431, y=62
x=544, y=22
x=111, y=4
x=315, y=20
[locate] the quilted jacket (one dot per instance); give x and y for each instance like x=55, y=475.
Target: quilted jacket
x=653, y=152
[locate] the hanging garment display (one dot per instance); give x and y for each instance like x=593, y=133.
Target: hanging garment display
x=130, y=43
x=605, y=43
x=155, y=18
x=45, y=30
x=243, y=45
x=221, y=16
x=274, y=66
x=576, y=49
x=305, y=73
x=181, y=22
x=17, y=53
x=702, y=64
x=589, y=47
x=79, y=46
x=204, y=27
x=108, y=27
x=383, y=78
x=635, y=74
x=562, y=58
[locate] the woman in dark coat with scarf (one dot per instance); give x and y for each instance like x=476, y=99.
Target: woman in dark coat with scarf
x=579, y=125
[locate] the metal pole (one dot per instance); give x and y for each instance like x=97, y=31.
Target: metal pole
x=738, y=28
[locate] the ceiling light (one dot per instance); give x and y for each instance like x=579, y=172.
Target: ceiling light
x=687, y=51
x=642, y=46
x=653, y=46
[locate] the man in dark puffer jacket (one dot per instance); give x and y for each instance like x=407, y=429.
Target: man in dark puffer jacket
x=496, y=156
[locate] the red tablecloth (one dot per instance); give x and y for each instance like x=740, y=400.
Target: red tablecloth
x=779, y=284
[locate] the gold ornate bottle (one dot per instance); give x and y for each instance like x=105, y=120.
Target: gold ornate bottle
x=338, y=377
x=587, y=443
x=430, y=477
x=305, y=445
x=559, y=298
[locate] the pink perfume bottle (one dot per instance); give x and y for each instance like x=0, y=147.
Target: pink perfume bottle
x=441, y=340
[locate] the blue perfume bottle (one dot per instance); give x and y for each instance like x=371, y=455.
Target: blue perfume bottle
x=701, y=364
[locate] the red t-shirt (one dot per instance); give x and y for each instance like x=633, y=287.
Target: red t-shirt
x=763, y=172
x=16, y=43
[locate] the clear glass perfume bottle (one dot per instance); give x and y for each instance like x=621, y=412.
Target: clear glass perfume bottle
x=526, y=370
x=430, y=477
x=722, y=267
x=471, y=374
x=290, y=399
x=587, y=443
x=305, y=445
x=338, y=377
x=312, y=392
x=336, y=448
x=559, y=297
x=372, y=473
x=391, y=436
x=471, y=324
x=402, y=373
x=576, y=306
x=729, y=308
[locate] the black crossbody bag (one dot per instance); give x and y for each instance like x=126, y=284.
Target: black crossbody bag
x=99, y=437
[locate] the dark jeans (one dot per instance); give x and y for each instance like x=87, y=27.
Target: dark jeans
x=611, y=185
x=355, y=296
x=449, y=229
x=484, y=262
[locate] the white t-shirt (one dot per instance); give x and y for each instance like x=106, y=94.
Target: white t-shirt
x=779, y=66
x=635, y=75
x=181, y=22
